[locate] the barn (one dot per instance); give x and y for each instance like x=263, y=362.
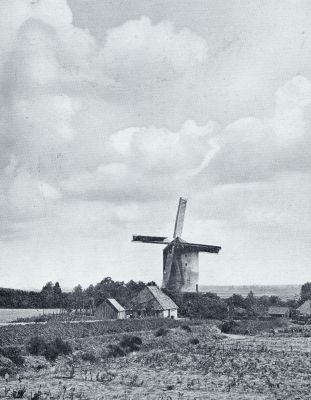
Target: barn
x=305, y=309
x=278, y=312
x=110, y=309
x=152, y=302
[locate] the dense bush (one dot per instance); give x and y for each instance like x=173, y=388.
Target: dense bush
x=252, y=327
x=6, y=366
x=130, y=343
x=13, y=354
x=114, y=350
x=19, y=334
x=161, y=332
x=89, y=357
x=186, y=328
x=36, y=346
x=200, y=305
x=228, y=326
x=56, y=348
x=50, y=350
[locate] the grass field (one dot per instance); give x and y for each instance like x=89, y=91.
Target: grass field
x=183, y=363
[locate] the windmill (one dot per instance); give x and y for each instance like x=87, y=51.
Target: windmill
x=180, y=258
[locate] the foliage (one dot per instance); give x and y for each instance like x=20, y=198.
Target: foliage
x=305, y=292
x=50, y=350
x=130, y=343
x=252, y=327
x=12, y=353
x=114, y=350
x=228, y=326
x=21, y=334
x=89, y=357
x=6, y=366
x=200, y=305
x=13, y=298
x=186, y=328
x=161, y=332
x=36, y=346
x=56, y=348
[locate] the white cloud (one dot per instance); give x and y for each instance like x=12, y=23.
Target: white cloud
x=141, y=56
x=95, y=138
x=253, y=149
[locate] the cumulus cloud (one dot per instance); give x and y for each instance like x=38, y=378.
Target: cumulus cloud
x=98, y=135
x=142, y=58
x=145, y=162
x=51, y=69
x=253, y=149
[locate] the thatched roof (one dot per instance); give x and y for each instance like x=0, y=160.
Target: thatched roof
x=165, y=302
x=278, y=310
x=117, y=306
x=305, y=308
x=153, y=298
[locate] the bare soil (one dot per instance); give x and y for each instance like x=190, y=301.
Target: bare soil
x=219, y=367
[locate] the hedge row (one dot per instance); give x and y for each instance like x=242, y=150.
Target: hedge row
x=20, y=334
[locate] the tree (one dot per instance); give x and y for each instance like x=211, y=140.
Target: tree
x=47, y=295
x=305, y=292
x=78, y=298
x=57, y=293
x=236, y=300
x=89, y=295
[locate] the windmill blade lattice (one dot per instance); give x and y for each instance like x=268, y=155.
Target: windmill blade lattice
x=179, y=223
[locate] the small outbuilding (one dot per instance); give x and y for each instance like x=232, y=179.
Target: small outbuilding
x=278, y=312
x=110, y=309
x=305, y=309
x=152, y=302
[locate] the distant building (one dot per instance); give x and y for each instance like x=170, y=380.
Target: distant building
x=305, y=309
x=110, y=309
x=278, y=312
x=152, y=302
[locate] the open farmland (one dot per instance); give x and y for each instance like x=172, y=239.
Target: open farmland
x=284, y=292
x=192, y=362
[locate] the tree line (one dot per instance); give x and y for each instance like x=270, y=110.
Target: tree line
x=79, y=299
x=193, y=305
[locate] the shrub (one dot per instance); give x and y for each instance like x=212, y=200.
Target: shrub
x=61, y=346
x=89, y=357
x=50, y=350
x=13, y=354
x=194, y=341
x=130, y=343
x=6, y=366
x=161, y=332
x=36, y=346
x=114, y=350
x=186, y=328
x=228, y=326
x=56, y=348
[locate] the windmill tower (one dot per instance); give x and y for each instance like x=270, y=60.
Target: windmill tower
x=180, y=258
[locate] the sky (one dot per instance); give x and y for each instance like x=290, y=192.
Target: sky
x=112, y=110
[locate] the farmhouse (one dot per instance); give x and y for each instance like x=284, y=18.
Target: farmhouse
x=305, y=309
x=152, y=302
x=110, y=309
x=278, y=312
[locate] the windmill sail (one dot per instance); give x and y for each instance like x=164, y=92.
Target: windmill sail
x=180, y=258
x=150, y=239
x=180, y=217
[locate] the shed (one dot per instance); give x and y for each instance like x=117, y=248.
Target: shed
x=305, y=309
x=110, y=309
x=152, y=302
x=278, y=312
